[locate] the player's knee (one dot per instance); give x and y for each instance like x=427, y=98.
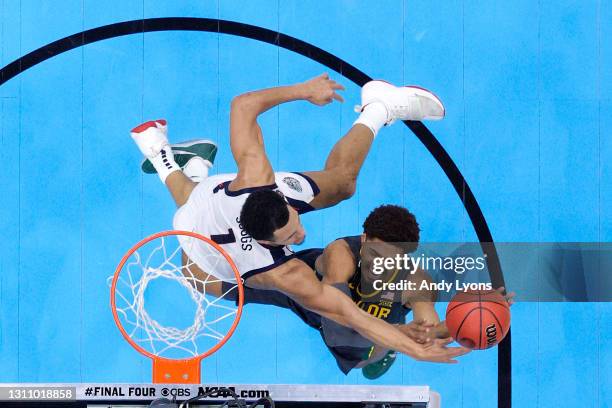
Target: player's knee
x=242, y=102
x=345, y=181
x=347, y=188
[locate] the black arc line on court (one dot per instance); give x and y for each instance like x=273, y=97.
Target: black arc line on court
x=323, y=57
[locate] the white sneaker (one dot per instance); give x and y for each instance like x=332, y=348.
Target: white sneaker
x=403, y=103
x=151, y=137
x=197, y=169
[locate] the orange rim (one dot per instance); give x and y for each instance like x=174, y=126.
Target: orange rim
x=212, y=349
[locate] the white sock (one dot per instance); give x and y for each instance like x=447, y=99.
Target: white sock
x=374, y=116
x=164, y=163
x=196, y=169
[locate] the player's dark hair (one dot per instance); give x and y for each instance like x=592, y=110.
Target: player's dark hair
x=264, y=212
x=392, y=223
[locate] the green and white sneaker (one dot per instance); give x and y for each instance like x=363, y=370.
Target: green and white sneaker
x=377, y=369
x=184, y=152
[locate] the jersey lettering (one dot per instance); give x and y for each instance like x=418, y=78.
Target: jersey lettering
x=245, y=238
x=379, y=311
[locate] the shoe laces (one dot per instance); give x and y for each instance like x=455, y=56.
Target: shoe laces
x=394, y=112
x=412, y=109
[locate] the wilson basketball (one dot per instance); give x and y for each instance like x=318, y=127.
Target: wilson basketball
x=478, y=319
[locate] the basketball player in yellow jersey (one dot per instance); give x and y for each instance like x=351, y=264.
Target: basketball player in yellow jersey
x=390, y=230
x=262, y=252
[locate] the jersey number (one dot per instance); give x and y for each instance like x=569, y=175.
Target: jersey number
x=221, y=239
x=230, y=238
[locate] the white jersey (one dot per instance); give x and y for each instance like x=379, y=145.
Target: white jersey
x=213, y=210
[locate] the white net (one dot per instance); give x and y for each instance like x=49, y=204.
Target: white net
x=168, y=305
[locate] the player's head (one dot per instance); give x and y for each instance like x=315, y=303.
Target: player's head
x=392, y=224
x=389, y=230
x=268, y=219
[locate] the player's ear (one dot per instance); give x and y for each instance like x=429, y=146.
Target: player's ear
x=363, y=238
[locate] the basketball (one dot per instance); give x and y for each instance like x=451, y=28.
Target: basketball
x=478, y=319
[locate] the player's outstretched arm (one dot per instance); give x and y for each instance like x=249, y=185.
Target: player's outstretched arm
x=298, y=281
x=319, y=90
x=426, y=324
x=246, y=139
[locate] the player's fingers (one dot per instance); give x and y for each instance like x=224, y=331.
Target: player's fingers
x=444, y=342
x=337, y=86
x=423, y=323
x=446, y=355
x=418, y=334
x=337, y=97
x=324, y=75
x=457, y=351
x=420, y=328
x=426, y=339
x=416, y=325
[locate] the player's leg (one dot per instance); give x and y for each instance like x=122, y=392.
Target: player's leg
x=338, y=180
x=180, y=187
x=180, y=184
x=382, y=104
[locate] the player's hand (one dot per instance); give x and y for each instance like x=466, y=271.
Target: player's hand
x=321, y=90
x=438, y=352
x=418, y=330
x=508, y=296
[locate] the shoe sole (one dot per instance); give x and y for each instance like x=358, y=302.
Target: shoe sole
x=184, y=151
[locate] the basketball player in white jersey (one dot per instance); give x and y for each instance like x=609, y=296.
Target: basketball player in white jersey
x=213, y=206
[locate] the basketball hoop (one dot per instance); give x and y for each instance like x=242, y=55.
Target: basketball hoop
x=176, y=352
